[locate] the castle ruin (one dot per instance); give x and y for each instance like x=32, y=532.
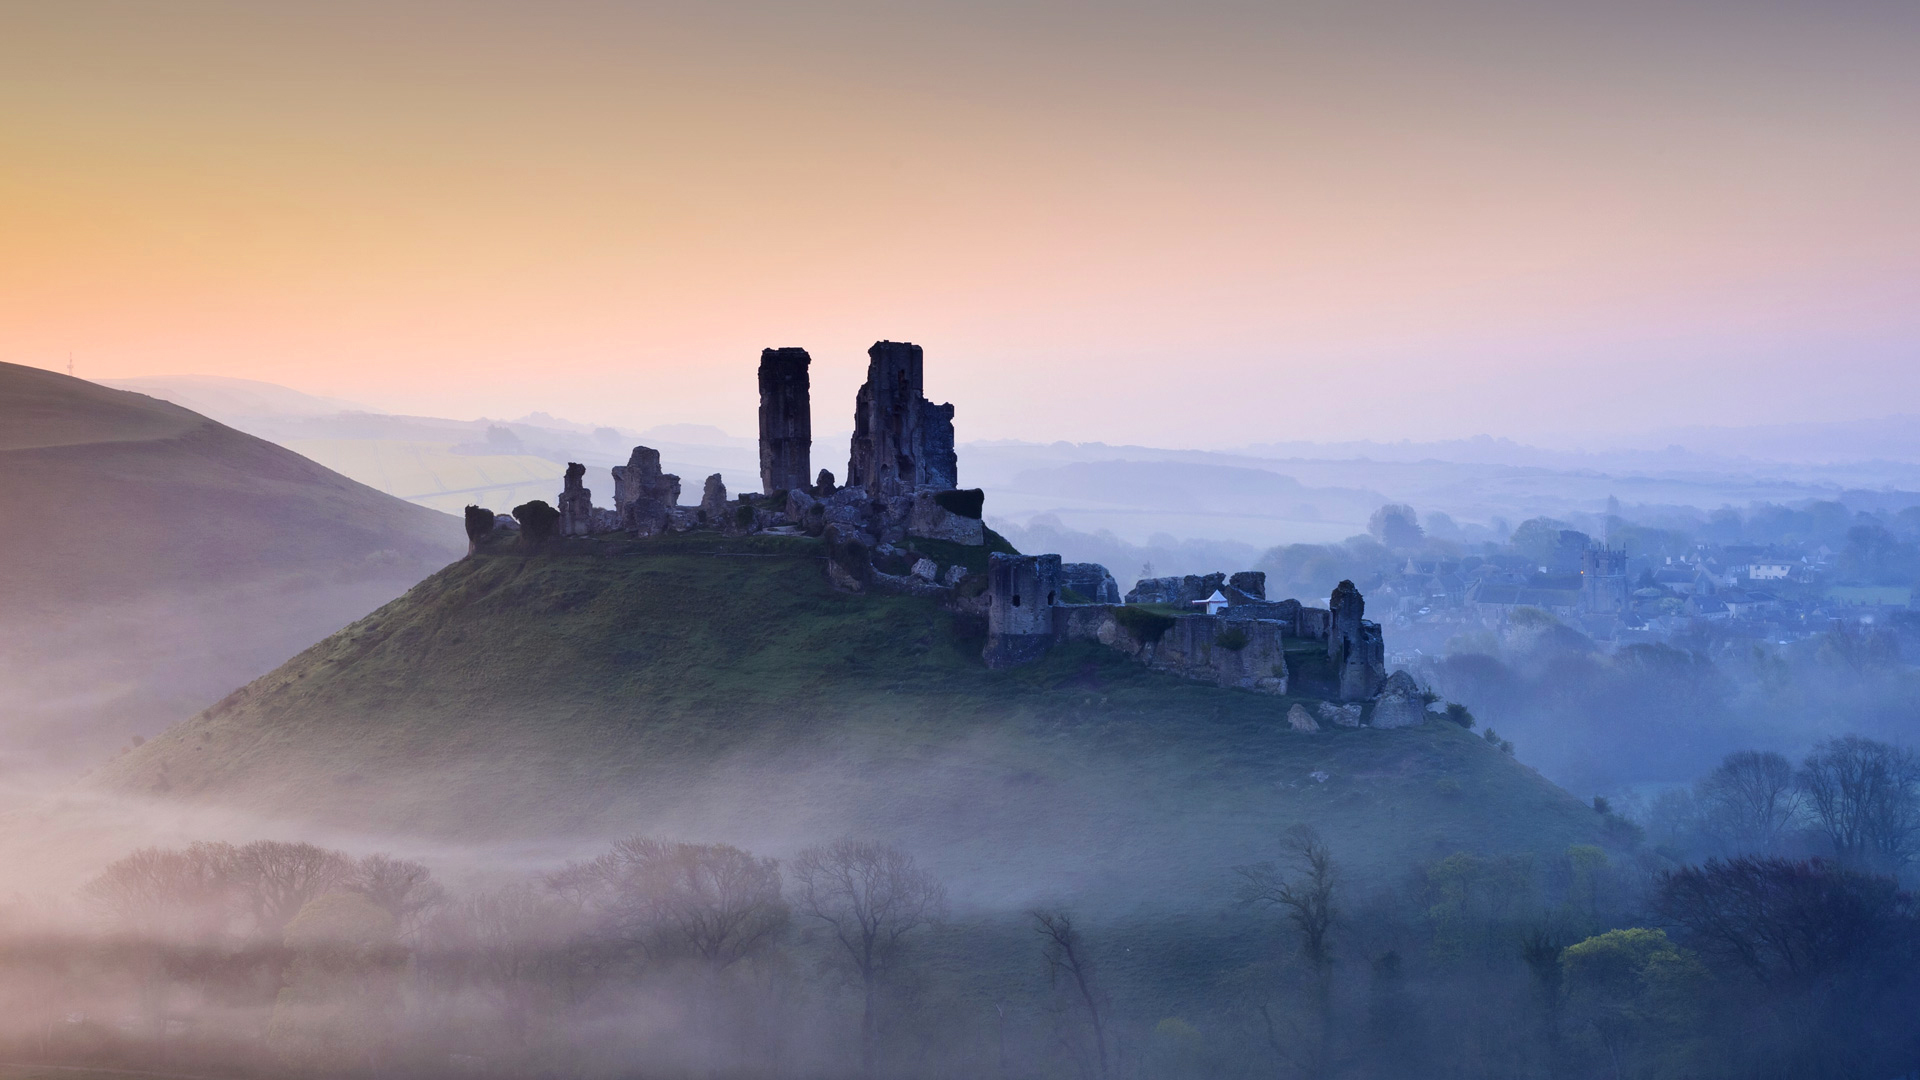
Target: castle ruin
x=899, y=520
x=901, y=441
x=786, y=420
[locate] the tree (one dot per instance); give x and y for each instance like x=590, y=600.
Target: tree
x=279, y=878
x=714, y=902
x=1865, y=795
x=871, y=896
x=404, y=890
x=1306, y=900
x=170, y=893
x=1066, y=955
x=1750, y=801
x=1820, y=957
x=1625, y=986
x=1396, y=526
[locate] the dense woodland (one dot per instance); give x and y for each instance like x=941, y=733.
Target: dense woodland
x=1753, y=924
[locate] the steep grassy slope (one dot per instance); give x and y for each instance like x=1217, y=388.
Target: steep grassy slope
x=151, y=558
x=717, y=689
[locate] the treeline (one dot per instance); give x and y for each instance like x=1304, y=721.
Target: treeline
x=659, y=958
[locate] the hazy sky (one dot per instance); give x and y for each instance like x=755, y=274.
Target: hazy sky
x=1191, y=223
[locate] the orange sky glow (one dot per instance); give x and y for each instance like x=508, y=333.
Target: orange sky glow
x=1200, y=224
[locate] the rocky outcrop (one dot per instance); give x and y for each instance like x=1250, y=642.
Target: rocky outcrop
x=901, y=441
x=643, y=496
x=1091, y=581
x=786, y=420
x=576, y=503
x=1400, y=703
x=1299, y=719
x=1340, y=715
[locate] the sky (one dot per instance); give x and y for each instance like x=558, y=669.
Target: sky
x=1198, y=224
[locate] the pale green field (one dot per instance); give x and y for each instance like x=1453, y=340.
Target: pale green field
x=432, y=475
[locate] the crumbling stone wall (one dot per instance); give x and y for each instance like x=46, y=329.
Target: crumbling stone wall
x=901, y=441
x=935, y=522
x=714, y=512
x=786, y=420
x=575, y=503
x=643, y=496
x=1175, y=590
x=1090, y=580
x=1355, y=646
x=1249, y=654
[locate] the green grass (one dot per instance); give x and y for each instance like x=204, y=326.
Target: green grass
x=720, y=689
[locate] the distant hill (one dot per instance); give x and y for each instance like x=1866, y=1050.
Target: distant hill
x=152, y=558
x=721, y=690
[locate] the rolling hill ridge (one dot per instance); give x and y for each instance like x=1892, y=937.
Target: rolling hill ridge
x=719, y=688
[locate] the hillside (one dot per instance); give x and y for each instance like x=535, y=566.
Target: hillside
x=152, y=558
x=720, y=689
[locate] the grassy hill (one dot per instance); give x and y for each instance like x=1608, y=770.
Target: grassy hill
x=720, y=690
x=151, y=559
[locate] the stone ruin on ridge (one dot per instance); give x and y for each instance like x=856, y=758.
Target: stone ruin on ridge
x=895, y=526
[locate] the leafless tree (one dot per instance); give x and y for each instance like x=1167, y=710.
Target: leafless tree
x=510, y=945
x=1865, y=795
x=1303, y=891
x=166, y=892
x=1750, y=800
x=403, y=889
x=712, y=901
x=279, y=878
x=871, y=896
x=1066, y=956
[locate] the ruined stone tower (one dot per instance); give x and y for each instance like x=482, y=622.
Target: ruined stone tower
x=786, y=420
x=901, y=441
x=1356, y=647
x=644, y=496
x=1023, y=591
x=576, y=503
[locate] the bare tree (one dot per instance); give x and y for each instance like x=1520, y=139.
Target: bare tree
x=1066, y=955
x=165, y=892
x=1866, y=797
x=510, y=945
x=1750, y=801
x=871, y=896
x=279, y=878
x=712, y=901
x=1305, y=896
x=403, y=889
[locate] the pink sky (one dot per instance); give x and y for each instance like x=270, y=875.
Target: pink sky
x=1193, y=224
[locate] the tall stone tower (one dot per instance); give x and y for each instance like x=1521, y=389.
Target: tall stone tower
x=901, y=441
x=1603, y=581
x=786, y=420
